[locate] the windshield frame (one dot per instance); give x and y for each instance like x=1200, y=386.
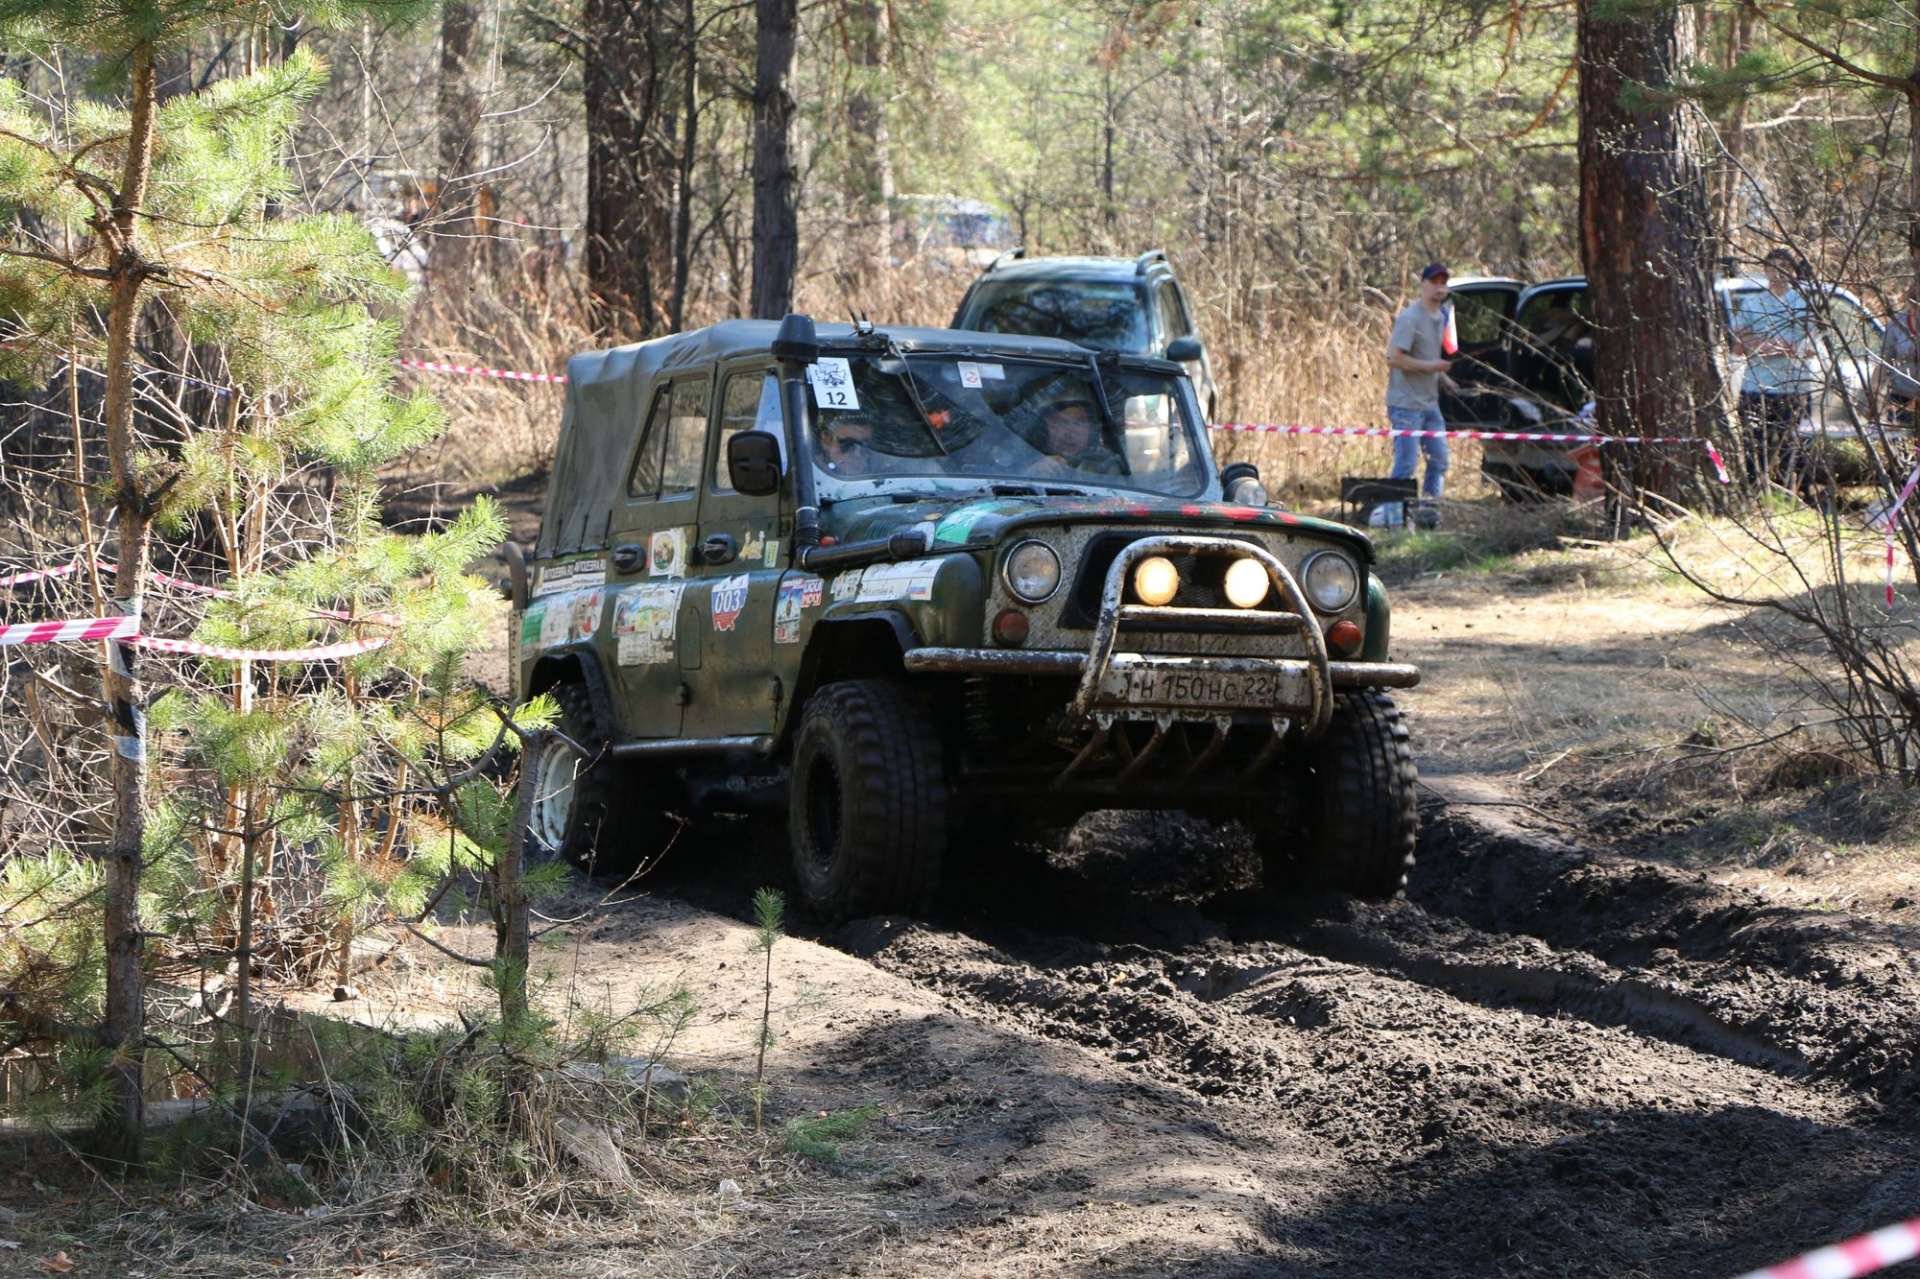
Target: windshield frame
x=831, y=488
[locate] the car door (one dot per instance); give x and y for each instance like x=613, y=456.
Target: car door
x=729, y=609
x=652, y=535
x=1850, y=341
x=1483, y=313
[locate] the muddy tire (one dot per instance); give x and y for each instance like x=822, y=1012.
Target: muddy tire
x=1351, y=819
x=601, y=816
x=868, y=813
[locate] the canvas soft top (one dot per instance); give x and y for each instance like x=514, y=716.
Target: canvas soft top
x=606, y=403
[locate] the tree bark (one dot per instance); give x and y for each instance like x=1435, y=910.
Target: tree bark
x=120, y=1138
x=776, y=188
x=453, y=228
x=627, y=83
x=1645, y=236
x=870, y=158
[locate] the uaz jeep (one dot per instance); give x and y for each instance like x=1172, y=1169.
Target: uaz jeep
x=911, y=585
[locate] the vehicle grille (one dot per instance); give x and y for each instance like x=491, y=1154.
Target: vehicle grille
x=1202, y=578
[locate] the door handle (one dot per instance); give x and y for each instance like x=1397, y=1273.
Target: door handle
x=720, y=548
x=629, y=557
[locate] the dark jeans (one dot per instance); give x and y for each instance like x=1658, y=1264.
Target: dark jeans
x=1772, y=424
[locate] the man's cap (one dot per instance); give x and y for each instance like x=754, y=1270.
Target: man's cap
x=1432, y=269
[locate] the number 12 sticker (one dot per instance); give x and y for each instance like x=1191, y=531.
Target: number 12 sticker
x=832, y=383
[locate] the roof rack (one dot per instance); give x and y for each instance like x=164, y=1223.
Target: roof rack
x=1011, y=255
x=1151, y=255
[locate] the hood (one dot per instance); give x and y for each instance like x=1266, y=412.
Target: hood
x=985, y=521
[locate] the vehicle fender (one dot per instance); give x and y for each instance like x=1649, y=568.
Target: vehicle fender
x=578, y=665
x=1379, y=622
x=866, y=645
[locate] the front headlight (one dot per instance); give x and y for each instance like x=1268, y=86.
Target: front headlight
x=1331, y=581
x=1246, y=583
x=1156, y=581
x=1033, y=572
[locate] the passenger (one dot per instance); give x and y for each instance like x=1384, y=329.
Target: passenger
x=1073, y=445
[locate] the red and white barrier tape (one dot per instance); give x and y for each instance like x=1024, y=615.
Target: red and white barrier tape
x=436, y=367
x=38, y=575
x=1893, y=523
x=125, y=629
x=1861, y=1255
x=93, y=628
x=1388, y=432
x=327, y=653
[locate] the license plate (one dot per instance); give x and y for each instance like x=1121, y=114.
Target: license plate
x=1196, y=687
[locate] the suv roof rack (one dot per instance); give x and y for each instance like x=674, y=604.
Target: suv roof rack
x=1011, y=255
x=1151, y=255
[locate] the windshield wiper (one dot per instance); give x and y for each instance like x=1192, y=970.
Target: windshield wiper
x=913, y=393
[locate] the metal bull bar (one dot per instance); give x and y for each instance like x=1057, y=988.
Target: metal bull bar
x=1116, y=615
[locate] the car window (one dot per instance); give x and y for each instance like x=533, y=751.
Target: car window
x=644, y=480
x=1477, y=318
x=1853, y=330
x=1108, y=314
x=1179, y=323
x=686, y=437
x=1036, y=422
x=751, y=402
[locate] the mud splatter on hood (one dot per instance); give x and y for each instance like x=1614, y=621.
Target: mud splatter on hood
x=984, y=521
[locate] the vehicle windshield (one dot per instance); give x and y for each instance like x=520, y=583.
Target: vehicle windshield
x=1106, y=314
x=1045, y=424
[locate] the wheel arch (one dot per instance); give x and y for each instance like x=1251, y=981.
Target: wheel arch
x=580, y=667
x=865, y=646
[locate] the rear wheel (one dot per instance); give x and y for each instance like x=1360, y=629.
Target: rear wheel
x=602, y=816
x=1351, y=819
x=868, y=813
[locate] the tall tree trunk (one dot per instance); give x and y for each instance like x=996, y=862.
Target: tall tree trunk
x=630, y=165
x=120, y=680
x=455, y=232
x=870, y=159
x=776, y=189
x=1733, y=136
x=689, y=154
x=1645, y=236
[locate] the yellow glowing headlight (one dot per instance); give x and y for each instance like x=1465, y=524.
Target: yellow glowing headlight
x=1156, y=581
x=1246, y=583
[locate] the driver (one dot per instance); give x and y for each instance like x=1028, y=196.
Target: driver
x=1073, y=445
x=846, y=447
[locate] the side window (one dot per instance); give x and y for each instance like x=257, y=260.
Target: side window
x=1477, y=318
x=1166, y=324
x=751, y=402
x=1179, y=324
x=686, y=437
x=1853, y=331
x=644, y=480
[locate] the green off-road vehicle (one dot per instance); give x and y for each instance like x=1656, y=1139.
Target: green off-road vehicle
x=918, y=587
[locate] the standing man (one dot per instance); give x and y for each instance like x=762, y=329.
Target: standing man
x=1773, y=329
x=1416, y=371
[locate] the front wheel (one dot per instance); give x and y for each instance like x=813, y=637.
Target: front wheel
x=1352, y=817
x=868, y=811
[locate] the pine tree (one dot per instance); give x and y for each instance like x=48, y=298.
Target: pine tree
x=251, y=773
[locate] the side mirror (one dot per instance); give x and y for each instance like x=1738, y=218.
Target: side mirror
x=1184, y=350
x=1240, y=482
x=753, y=463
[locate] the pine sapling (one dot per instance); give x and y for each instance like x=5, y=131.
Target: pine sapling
x=769, y=910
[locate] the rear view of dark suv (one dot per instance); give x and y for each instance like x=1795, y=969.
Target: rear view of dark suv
x=1130, y=305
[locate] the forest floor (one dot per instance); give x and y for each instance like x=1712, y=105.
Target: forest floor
x=1649, y=1007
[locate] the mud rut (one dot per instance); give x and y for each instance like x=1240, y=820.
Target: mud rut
x=1544, y=1061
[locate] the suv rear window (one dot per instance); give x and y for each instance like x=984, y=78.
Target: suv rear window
x=1109, y=315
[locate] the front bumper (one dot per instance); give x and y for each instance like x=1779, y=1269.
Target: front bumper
x=1116, y=685
x=1013, y=661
